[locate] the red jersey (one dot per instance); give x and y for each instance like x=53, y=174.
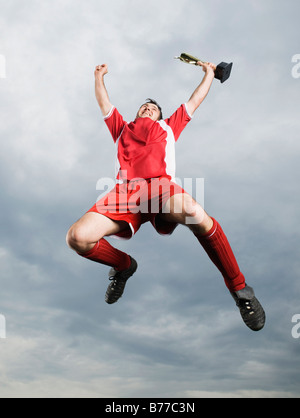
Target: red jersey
x=146, y=148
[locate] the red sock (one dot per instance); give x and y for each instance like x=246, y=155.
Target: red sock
x=219, y=251
x=106, y=254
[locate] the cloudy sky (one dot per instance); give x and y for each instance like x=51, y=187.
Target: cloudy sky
x=176, y=332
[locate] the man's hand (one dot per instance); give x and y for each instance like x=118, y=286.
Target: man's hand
x=100, y=90
x=101, y=70
x=207, y=66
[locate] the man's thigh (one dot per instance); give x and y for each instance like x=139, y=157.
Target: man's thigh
x=183, y=209
x=94, y=226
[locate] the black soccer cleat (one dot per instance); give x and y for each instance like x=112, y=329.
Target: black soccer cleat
x=250, y=309
x=118, y=281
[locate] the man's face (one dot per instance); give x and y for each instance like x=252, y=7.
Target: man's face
x=149, y=110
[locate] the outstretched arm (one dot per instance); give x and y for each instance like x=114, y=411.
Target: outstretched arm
x=202, y=90
x=100, y=89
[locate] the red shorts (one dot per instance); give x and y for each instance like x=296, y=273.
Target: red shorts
x=139, y=201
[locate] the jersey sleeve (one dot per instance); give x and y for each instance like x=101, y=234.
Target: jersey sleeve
x=179, y=120
x=115, y=123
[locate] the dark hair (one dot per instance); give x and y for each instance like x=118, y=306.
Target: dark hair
x=156, y=104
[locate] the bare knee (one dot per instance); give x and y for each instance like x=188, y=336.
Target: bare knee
x=89, y=229
x=191, y=212
x=183, y=209
x=200, y=228
x=196, y=219
x=77, y=239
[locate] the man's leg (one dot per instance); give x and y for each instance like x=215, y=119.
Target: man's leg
x=86, y=238
x=183, y=209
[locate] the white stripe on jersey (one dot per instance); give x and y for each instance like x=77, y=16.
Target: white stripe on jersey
x=109, y=113
x=170, y=150
x=117, y=162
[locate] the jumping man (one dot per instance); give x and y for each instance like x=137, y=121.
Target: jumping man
x=146, y=191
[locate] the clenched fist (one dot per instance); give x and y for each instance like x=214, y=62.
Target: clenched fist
x=101, y=70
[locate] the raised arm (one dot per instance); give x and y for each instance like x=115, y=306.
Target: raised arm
x=100, y=89
x=202, y=90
